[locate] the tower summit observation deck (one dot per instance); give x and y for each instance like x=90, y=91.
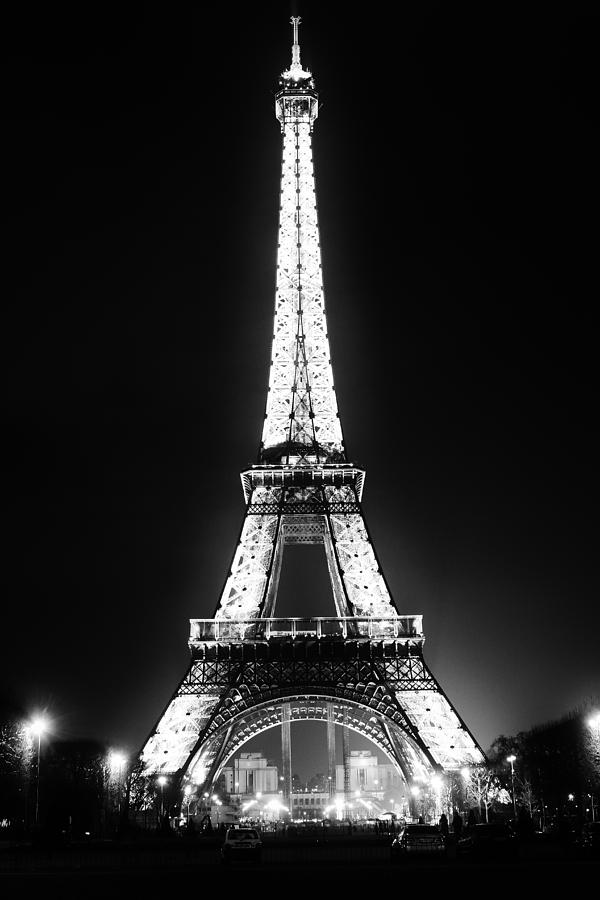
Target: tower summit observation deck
x=362, y=669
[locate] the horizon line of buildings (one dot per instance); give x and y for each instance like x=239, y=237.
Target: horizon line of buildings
x=361, y=787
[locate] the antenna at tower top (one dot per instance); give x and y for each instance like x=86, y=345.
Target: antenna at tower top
x=295, y=20
x=295, y=71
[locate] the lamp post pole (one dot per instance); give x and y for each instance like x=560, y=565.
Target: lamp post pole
x=511, y=760
x=37, y=779
x=37, y=727
x=116, y=763
x=162, y=781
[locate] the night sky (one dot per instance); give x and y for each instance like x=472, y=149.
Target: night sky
x=456, y=156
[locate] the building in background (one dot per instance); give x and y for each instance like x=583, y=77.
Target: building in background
x=249, y=774
x=254, y=784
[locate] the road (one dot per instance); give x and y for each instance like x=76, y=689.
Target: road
x=302, y=876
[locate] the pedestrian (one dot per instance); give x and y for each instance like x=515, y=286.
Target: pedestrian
x=524, y=823
x=444, y=825
x=457, y=824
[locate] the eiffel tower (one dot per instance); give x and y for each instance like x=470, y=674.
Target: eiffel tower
x=249, y=671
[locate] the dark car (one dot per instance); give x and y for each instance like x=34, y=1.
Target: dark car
x=418, y=841
x=242, y=844
x=488, y=839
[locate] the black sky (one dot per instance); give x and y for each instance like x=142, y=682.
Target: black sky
x=457, y=183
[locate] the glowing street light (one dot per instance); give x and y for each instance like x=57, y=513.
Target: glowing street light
x=276, y=808
x=415, y=790
x=511, y=759
x=162, y=780
x=38, y=726
x=117, y=761
x=594, y=722
x=218, y=804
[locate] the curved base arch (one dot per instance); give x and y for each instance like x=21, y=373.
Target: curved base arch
x=212, y=754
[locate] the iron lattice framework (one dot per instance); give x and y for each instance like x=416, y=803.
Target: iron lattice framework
x=250, y=671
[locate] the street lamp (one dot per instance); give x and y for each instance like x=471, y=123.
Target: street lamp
x=594, y=723
x=117, y=761
x=162, y=780
x=511, y=760
x=415, y=790
x=38, y=727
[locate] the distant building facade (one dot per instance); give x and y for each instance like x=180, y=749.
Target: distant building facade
x=254, y=783
x=251, y=773
x=366, y=774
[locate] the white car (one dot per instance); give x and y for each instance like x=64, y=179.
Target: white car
x=240, y=844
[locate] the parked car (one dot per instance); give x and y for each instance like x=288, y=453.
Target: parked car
x=418, y=840
x=240, y=844
x=488, y=839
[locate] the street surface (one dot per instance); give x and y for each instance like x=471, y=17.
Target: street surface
x=166, y=868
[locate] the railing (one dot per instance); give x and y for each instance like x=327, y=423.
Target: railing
x=321, y=627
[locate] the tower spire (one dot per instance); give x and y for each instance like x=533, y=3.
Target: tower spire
x=302, y=424
x=295, y=20
x=295, y=71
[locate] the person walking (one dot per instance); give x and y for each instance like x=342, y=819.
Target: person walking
x=457, y=824
x=444, y=826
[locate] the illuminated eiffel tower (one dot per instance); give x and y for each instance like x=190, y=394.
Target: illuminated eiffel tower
x=250, y=671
